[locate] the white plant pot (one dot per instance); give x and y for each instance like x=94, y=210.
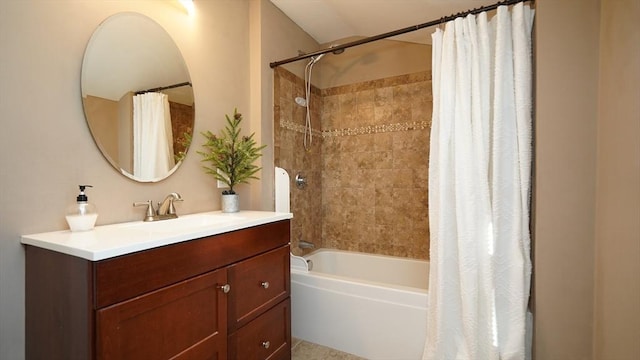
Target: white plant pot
x=230, y=203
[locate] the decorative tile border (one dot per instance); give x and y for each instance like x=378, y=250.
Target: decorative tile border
x=376, y=129
x=371, y=129
x=290, y=125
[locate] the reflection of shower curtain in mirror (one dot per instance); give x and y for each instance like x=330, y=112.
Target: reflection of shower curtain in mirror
x=152, y=136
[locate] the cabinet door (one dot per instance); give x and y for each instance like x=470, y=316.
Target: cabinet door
x=182, y=321
x=257, y=284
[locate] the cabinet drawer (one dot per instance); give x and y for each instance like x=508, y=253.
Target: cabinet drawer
x=267, y=337
x=186, y=320
x=257, y=284
x=124, y=277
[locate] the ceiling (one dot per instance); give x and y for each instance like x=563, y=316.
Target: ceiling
x=330, y=20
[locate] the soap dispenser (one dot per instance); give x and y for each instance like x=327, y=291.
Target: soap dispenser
x=82, y=215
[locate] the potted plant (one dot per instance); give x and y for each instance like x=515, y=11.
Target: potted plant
x=231, y=157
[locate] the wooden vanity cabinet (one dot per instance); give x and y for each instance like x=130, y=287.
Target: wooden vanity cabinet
x=220, y=297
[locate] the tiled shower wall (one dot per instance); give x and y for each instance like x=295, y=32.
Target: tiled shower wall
x=367, y=169
x=289, y=154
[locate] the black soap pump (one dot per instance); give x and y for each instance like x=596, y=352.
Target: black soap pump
x=82, y=215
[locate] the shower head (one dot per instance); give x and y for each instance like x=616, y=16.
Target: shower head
x=301, y=101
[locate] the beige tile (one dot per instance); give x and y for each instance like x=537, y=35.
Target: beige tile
x=365, y=98
x=361, y=181
x=382, y=115
x=309, y=351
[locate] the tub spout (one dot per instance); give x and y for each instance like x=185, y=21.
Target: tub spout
x=306, y=245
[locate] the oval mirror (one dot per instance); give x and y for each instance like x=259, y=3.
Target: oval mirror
x=137, y=97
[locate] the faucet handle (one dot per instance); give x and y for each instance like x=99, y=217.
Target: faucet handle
x=151, y=212
x=172, y=209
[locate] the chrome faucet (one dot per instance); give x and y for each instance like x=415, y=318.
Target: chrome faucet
x=165, y=211
x=306, y=244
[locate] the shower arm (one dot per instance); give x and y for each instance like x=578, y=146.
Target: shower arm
x=339, y=48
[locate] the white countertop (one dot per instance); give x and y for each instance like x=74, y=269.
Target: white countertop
x=108, y=241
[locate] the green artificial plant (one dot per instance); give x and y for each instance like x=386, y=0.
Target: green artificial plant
x=230, y=155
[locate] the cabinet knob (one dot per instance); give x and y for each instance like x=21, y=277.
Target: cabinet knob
x=225, y=288
x=265, y=284
x=266, y=344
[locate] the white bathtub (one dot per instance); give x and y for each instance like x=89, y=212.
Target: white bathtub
x=372, y=306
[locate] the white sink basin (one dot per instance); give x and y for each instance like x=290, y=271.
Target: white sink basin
x=184, y=223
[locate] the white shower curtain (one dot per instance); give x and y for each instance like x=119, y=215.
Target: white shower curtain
x=152, y=137
x=479, y=187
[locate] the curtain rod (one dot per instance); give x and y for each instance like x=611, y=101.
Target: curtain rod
x=163, y=88
x=445, y=19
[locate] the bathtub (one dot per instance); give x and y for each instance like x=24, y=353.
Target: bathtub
x=373, y=306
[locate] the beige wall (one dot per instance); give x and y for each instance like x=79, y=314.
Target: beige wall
x=103, y=122
x=617, y=300
x=273, y=37
x=566, y=115
x=587, y=237
x=45, y=145
x=125, y=132
x=375, y=60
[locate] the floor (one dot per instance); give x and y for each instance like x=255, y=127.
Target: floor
x=304, y=350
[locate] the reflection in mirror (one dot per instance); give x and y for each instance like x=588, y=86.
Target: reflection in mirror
x=137, y=97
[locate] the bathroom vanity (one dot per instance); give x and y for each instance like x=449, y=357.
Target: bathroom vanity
x=215, y=289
